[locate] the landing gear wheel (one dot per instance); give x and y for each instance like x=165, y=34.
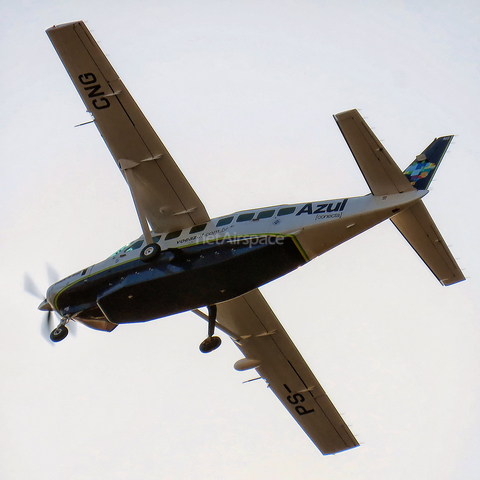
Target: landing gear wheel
x=59, y=333
x=210, y=344
x=150, y=252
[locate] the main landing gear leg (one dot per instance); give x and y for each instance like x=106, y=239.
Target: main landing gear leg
x=211, y=342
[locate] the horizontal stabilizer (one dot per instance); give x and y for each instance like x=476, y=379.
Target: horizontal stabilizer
x=380, y=171
x=420, y=231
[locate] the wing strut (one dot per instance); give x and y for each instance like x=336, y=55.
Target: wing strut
x=127, y=168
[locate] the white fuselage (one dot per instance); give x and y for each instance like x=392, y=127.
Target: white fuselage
x=315, y=227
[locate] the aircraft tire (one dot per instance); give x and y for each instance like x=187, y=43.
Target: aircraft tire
x=59, y=333
x=150, y=252
x=210, y=344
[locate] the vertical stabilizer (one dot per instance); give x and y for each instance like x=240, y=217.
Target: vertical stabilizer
x=420, y=173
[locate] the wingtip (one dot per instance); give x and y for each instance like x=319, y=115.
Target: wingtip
x=63, y=25
x=345, y=113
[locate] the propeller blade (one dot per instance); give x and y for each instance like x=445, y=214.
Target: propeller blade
x=30, y=287
x=52, y=274
x=47, y=327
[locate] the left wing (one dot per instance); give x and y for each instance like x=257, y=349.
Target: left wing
x=159, y=187
x=265, y=343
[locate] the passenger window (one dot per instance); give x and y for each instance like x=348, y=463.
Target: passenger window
x=266, y=214
x=285, y=211
x=245, y=217
x=198, y=228
x=224, y=221
x=173, y=235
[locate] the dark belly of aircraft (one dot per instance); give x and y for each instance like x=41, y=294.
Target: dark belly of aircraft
x=181, y=279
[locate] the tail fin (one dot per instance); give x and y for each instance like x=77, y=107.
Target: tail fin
x=420, y=173
x=384, y=177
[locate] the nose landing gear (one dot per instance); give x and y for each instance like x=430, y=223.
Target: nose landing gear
x=211, y=342
x=61, y=331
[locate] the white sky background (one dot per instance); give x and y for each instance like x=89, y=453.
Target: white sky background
x=242, y=94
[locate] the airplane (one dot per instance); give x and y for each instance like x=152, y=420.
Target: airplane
x=184, y=260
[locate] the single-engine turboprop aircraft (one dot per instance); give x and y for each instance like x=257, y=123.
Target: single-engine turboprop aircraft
x=184, y=260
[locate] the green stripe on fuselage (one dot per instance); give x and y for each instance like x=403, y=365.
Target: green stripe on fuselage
x=234, y=238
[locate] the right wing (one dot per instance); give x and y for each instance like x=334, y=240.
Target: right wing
x=256, y=330
x=380, y=171
x=161, y=189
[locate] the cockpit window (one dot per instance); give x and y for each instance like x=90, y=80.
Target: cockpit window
x=129, y=247
x=134, y=246
x=120, y=250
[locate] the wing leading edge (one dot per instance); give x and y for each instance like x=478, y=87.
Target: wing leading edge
x=161, y=189
x=264, y=342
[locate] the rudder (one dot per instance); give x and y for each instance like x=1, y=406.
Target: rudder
x=420, y=173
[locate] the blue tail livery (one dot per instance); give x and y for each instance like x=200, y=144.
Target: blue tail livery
x=420, y=173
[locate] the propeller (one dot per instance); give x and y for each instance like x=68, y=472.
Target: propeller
x=47, y=327
x=31, y=288
x=52, y=274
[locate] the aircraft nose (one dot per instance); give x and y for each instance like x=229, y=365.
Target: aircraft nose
x=45, y=306
x=52, y=292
